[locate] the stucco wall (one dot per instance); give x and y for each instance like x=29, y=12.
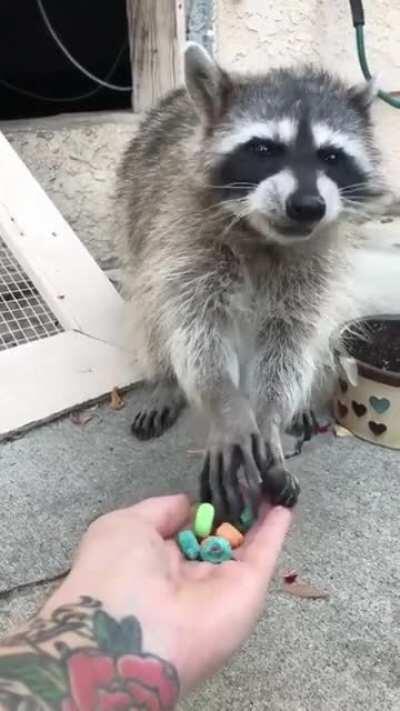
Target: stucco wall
x=74, y=158
x=255, y=34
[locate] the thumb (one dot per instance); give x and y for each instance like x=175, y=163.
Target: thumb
x=166, y=513
x=264, y=542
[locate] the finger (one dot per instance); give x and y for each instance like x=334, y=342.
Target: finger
x=175, y=559
x=263, y=544
x=166, y=513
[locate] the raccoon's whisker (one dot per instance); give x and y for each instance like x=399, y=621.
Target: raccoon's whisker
x=359, y=187
x=362, y=183
x=234, y=222
x=215, y=207
x=357, y=207
x=357, y=204
x=357, y=212
x=357, y=192
x=232, y=186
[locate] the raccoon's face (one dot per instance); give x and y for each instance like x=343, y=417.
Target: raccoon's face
x=290, y=152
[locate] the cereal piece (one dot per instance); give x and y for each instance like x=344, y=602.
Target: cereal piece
x=188, y=544
x=204, y=519
x=231, y=534
x=215, y=550
x=247, y=518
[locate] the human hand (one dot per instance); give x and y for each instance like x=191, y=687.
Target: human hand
x=193, y=614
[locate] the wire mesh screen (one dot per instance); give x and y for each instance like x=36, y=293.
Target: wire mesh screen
x=24, y=315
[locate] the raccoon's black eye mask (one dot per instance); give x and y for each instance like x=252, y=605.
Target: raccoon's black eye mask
x=265, y=148
x=250, y=163
x=331, y=155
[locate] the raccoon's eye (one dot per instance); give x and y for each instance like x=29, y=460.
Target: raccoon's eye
x=330, y=155
x=264, y=148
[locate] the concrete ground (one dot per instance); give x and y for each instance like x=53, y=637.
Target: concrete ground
x=337, y=654
x=327, y=655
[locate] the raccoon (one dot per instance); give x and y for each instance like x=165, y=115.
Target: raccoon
x=239, y=197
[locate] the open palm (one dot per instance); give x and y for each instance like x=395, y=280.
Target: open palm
x=194, y=614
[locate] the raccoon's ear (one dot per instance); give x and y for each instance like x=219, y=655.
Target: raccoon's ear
x=364, y=94
x=208, y=85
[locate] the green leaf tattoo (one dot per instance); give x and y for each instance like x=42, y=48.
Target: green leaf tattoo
x=43, y=676
x=117, y=638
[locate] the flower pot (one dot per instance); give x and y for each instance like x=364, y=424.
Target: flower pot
x=367, y=396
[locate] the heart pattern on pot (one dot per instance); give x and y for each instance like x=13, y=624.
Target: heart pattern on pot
x=358, y=408
x=379, y=404
x=342, y=409
x=377, y=428
x=343, y=385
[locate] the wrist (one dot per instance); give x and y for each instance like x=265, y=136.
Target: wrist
x=92, y=658
x=159, y=636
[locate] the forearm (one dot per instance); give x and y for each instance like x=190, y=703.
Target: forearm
x=78, y=655
x=150, y=627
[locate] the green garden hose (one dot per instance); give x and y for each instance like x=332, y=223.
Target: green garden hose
x=357, y=12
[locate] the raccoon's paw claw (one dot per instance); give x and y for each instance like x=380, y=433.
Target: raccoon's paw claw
x=165, y=402
x=220, y=482
x=153, y=423
x=280, y=486
x=303, y=428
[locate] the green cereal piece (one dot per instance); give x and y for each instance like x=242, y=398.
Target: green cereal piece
x=188, y=544
x=215, y=550
x=204, y=520
x=247, y=518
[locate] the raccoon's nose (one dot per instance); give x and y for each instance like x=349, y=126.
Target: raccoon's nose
x=305, y=208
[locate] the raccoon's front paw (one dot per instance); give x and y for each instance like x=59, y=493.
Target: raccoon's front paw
x=280, y=486
x=303, y=427
x=230, y=468
x=165, y=402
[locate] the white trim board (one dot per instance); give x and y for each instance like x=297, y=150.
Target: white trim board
x=45, y=378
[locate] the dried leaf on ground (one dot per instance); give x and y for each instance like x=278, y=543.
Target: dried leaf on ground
x=117, y=402
x=341, y=431
x=299, y=588
x=290, y=577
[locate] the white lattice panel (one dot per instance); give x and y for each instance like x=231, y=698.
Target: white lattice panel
x=60, y=317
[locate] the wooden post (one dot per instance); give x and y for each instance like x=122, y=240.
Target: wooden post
x=156, y=35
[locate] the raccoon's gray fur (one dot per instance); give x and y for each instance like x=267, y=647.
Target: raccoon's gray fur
x=238, y=198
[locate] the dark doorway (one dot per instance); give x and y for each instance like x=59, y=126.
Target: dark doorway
x=95, y=33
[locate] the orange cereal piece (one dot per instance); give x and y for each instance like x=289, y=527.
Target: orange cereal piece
x=231, y=534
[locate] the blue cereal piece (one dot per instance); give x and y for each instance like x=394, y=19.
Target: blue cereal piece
x=247, y=518
x=215, y=550
x=188, y=544
x=204, y=520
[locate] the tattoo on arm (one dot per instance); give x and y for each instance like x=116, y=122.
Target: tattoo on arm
x=82, y=659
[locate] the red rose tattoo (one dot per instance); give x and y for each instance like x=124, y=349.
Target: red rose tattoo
x=100, y=683
x=109, y=671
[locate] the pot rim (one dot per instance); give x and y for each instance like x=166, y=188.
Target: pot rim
x=387, y=377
